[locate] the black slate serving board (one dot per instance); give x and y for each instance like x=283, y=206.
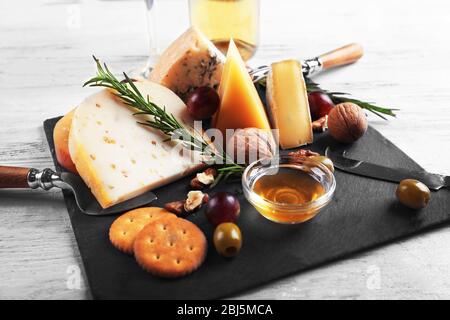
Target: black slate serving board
x=363, y=214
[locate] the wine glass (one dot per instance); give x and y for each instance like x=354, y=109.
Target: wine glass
x=154, y=50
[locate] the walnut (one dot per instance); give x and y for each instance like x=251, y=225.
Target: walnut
x=250, y=144
x=347, y=122
x=300, y=155
x=203, y=179
x=194, y=201
x=176, y=207
x=196, y=184
x=320, y=125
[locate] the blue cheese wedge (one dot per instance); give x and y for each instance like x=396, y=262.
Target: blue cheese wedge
x=117, y=157
x=190, y=62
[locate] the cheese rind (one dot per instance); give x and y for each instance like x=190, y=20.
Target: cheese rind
x=117, y=157
x=240, y=105
x=288, y=104
x=190, y=62
x=61, y=140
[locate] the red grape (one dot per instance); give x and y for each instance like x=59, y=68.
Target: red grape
x=223, y=207
x=320, y=105
x=202, y=103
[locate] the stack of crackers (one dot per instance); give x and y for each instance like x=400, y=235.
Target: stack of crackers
x=163, y=244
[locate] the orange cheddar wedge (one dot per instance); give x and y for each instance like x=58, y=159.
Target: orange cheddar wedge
x=240, y=105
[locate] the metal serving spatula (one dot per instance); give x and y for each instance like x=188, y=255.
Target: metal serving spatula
x=17, y=177
x=366, y=169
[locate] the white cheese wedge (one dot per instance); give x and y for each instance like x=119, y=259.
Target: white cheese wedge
x=190, y=62
x=119, y=158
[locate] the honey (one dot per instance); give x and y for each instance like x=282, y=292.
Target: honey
x=283, y=191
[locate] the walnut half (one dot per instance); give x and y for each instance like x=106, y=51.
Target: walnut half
x=203, y=179
x=194, y=201
x=176, y=207
x=301, y=154
x=320, y=125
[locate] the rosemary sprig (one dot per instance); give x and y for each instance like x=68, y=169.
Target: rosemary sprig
x=339, y=97
x=168, y=124
x=162, y=120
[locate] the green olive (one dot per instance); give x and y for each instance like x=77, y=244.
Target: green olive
x=413, y=194
x=227, y=239
x=325, y=161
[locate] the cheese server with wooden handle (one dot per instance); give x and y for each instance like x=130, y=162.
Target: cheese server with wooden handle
x=18, y=177
x=338, y=57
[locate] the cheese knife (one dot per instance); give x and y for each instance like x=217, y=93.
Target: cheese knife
x=335, y=58
x=339, y=57
x=371, y=170
x=18, y=177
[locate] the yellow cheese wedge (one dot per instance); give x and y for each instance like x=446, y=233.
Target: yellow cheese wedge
x=117, y=157
x=191, y=61
x=240, y=105
x=288, y=104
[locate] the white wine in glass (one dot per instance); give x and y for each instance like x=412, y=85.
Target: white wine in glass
x=221, y=20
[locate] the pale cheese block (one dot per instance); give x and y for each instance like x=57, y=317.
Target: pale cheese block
x=287, y=98
x=117, y=157
x=191, y=61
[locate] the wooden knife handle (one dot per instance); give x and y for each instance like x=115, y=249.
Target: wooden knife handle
x=344, y=55
x=13, y=177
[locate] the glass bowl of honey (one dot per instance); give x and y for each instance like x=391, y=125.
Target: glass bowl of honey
x=287, y=190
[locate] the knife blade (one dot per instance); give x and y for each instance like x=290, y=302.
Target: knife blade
x=371, y=170
x=90, y=206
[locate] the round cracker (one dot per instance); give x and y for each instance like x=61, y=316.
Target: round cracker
x=125, y=228
x=170, y=247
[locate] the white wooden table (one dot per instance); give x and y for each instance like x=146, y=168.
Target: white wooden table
x=45, y=55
